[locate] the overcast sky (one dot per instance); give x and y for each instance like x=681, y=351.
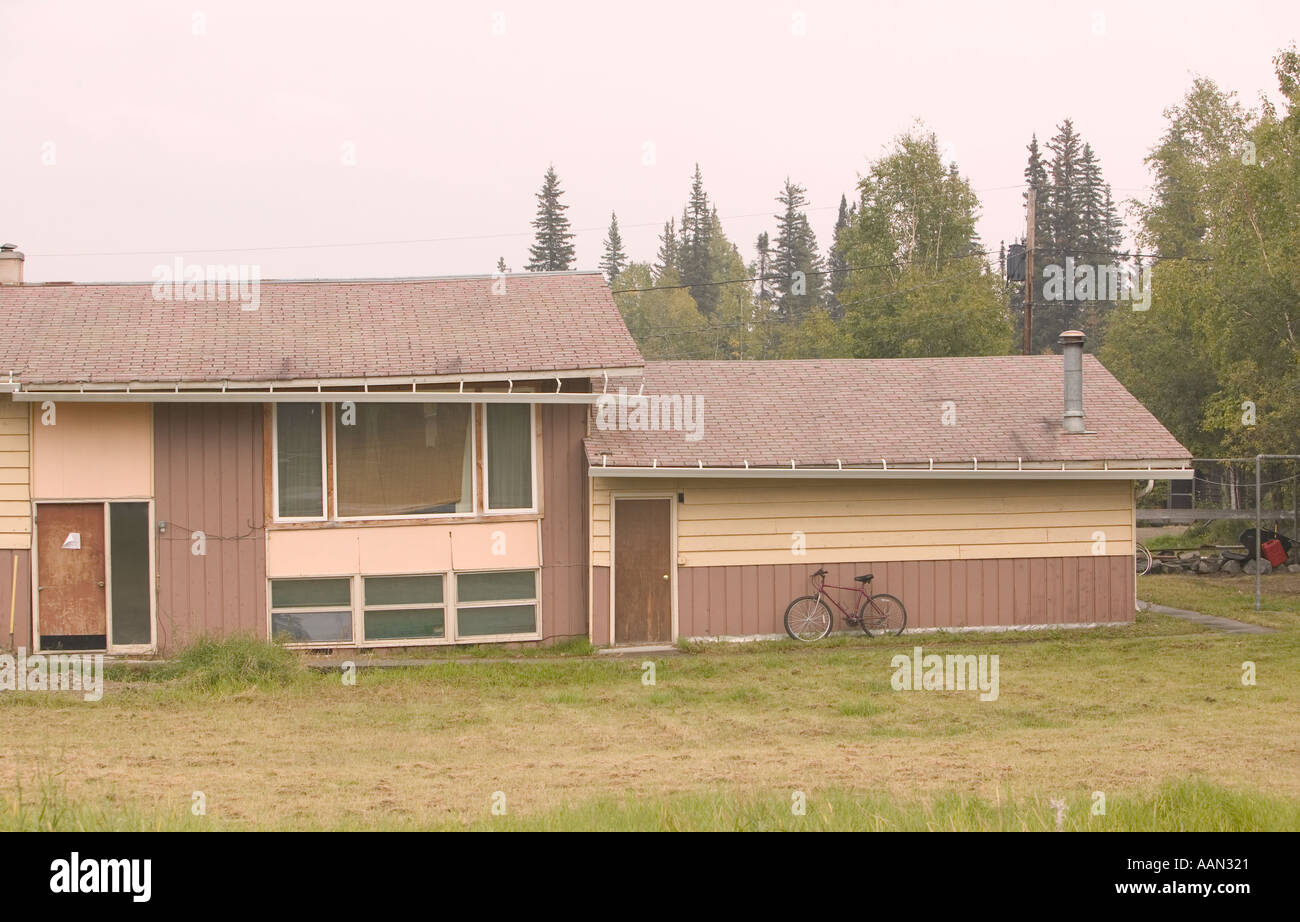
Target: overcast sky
x=151, y=129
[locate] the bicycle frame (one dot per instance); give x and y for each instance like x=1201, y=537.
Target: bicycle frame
x=850, y=617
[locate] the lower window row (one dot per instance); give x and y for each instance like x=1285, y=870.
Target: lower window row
x=410, y=608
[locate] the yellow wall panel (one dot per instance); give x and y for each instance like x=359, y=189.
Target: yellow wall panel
x=752, y=522
x=15, y=474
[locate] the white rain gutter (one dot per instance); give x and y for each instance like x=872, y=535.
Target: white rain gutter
x=921, y=473
x=312, y=389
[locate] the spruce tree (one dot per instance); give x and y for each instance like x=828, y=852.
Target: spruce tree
x=1076, y=219
x=835, y=262
x=614, y=260
x=552, y=250
x=501, y=266
x=668, y=261
x=697, y=268
x=798, y=279
x=764, y=268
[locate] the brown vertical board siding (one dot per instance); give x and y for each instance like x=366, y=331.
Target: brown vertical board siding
x=767, y=616
x=927, y=590
x=1053, y=596
x=948, y=593
x=749, y=600
x=563, y=488
x=734, y=601
x=942, y=593
x=208, y=465
x=21, y=592
x=957, y=594
x=600, y=606
x=1023, y=611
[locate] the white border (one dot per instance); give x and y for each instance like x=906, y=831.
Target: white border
x=532, y=462
x=109, y=646
x=275, y=470
x=672, y=561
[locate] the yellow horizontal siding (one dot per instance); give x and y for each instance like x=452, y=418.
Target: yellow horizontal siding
x=726, y=523
x=15, y=475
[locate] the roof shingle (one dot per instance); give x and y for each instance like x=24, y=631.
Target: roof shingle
x=70, y=334
x=858, y=411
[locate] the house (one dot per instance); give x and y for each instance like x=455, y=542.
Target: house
x=399, y=462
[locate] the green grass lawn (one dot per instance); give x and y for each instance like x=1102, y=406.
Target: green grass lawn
x=1153, y=716
x=1229, y=596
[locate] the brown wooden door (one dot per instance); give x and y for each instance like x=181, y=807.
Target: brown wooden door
x=70, y=581
x=643, y=562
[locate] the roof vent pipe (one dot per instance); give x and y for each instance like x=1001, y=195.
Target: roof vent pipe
x=11, y=265
x=1072, y=347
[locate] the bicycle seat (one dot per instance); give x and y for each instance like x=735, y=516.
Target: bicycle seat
x=863, y=579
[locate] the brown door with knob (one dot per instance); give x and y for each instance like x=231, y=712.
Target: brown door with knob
x=70, y=576
x=643, y=567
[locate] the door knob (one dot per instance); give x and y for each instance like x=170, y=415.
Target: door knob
x=665, y=576
x=100, y=584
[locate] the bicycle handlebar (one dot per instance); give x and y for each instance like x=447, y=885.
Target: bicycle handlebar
x=819, y=573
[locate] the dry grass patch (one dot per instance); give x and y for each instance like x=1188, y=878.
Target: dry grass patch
x=1112, y=709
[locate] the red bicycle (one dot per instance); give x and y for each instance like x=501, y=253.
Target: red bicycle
x=809, y=618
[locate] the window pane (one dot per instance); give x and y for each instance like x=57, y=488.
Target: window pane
x=403, y=590
x=507, y=619
x=298, y=460
x=510, y=456
x=313, y=626
x=404, y=624
x=404, y=459
x=311, y=593
x=494, y=587
x=129, y=564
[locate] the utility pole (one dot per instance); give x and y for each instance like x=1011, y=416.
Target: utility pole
x=1032, y=221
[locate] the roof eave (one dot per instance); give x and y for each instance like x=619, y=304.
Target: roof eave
x=305, y=388
x=1153, y=470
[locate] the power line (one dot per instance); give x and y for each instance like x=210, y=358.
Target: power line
x=417, y=240
x=769, y=278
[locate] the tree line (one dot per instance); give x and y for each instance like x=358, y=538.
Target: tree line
x=1212, y=350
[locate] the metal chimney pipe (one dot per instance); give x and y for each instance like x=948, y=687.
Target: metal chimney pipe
x=11, y=265
x=1072, y=347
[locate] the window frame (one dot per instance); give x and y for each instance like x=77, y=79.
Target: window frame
x=451, y=606
x=488, y=508
x=535, y=602
x=446, y=606
x=311, y=644
x=275, y=468
x=473, y=469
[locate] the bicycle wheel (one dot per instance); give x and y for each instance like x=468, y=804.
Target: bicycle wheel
x=808, y=618
x=882, y=614
x=1142, y=560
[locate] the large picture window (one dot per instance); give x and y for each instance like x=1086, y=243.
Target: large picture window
x=509, y=456
x=299, y=453
x=403, y=459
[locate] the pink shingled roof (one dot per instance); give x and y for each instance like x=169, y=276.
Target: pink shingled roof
x=820, y=412
x=314, y=329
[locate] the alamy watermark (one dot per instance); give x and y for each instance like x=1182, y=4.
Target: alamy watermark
x=83, y=672
x=651, y=413
x=239, y=283
x=1086, y=282
x=954, y=672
